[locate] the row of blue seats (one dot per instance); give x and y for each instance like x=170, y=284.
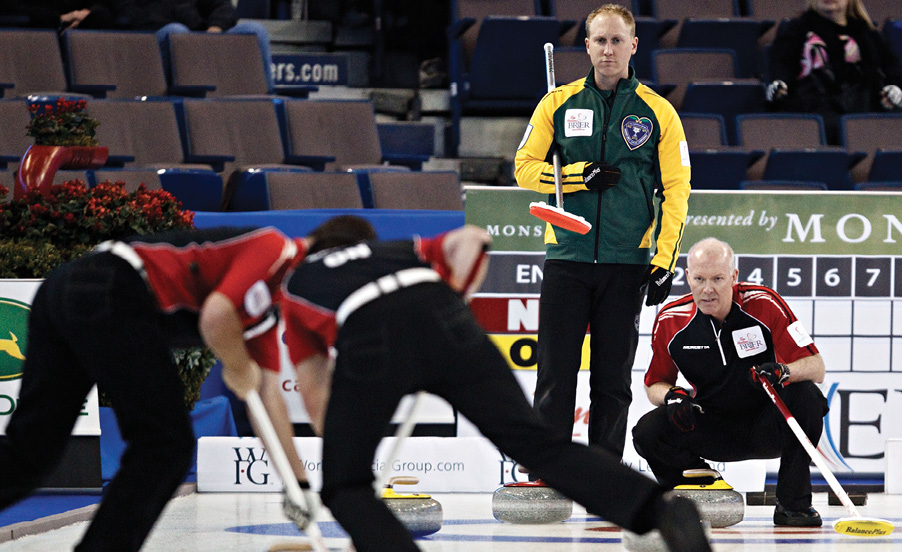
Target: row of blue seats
x=280, y=190
x=238, y=141
x=787, y=146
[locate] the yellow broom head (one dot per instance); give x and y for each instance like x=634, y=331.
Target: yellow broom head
x=863, y=527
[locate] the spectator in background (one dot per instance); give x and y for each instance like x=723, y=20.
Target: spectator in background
x=58, y=14
x=181, y=16
x=831, y=60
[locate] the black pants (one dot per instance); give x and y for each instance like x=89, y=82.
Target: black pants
x=763, y=434
x=94, y=321
x=425, y=337
x=606, y=298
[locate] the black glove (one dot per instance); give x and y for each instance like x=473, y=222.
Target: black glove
x=659, y=282
x=775, y=372
x=599, y=176
x=681, y=409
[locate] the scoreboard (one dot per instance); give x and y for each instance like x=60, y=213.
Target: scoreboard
x=816, y=276
x=835, y=257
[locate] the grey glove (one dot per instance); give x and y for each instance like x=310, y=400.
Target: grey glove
x=302, y=514
x=776, y=91
x=891, y=96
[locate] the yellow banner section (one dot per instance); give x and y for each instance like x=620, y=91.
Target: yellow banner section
x=520, y=350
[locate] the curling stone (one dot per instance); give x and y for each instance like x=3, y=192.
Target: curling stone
x=420, y=513
x=717, y=502
x=652, y=541
x=530, y=502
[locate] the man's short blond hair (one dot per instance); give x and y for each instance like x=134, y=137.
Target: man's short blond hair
x=613, y=9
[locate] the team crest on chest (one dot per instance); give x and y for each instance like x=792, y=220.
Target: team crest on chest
x=636, y=130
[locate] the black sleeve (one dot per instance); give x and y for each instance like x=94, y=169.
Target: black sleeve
x=888, y=60
x=218, y=13
x=786, y=51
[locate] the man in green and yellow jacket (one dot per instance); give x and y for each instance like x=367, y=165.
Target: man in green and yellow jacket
x=620, y=143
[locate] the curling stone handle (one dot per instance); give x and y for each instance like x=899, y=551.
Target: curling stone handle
x=703, y=473
x=402, y=480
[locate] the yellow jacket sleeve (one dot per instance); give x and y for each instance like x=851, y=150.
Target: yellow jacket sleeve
x=673, y=155
x=532, y=168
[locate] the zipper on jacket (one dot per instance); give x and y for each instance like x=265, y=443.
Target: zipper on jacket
x=717, y=338
x=604, y=141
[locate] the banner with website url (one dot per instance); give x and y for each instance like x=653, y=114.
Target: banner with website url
x=461, y=464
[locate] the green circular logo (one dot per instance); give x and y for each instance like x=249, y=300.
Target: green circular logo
x=13, y=337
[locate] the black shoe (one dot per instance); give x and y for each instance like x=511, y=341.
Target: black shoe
x=797, y=518
x=680, y=525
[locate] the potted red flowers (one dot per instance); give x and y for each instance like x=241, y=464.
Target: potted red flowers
x=64, y=139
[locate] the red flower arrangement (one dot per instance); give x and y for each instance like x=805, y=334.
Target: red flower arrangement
x=41, y=231
x=64, y=123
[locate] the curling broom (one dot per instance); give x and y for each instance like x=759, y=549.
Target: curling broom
x=556, y=215
x=283, y=467
x=856, y=525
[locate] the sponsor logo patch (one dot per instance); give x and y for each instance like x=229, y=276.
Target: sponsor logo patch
x=799, y=334
x=578, y=122
x=636, y=130
x=749, y=341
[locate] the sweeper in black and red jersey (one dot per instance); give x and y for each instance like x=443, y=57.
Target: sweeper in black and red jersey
x=396, y=315
x=110, y=318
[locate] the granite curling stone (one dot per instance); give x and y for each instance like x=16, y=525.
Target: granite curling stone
x=420, y=513
x=530, y=502
x=717, y=502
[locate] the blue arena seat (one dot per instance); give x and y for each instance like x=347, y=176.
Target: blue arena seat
x=496, y=59
x=892, y=32
x=404, y=140
x=686, y=9
x=737, y=34
x=784, y=185
x=867, y=133
x=114, y=64
x=727, y=97
x=889, y=186
x=14, y=117
x=432, y=190
x=795, y=146
x=30, y=63
x=222, y=64
x=312, y=190
x=715, y=165
x=886, y=165
x=240, y=139
x=681, y=66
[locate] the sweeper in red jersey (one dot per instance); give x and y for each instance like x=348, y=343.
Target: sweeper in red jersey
x=110, y=318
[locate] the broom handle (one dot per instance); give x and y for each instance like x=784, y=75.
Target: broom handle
x=809, y=448
x=283, y=466
x=403, y=432
x=556, y=157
